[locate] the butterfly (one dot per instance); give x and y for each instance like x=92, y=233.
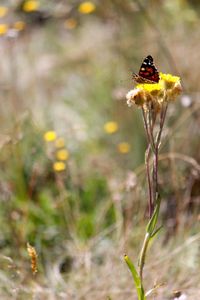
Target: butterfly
x=148, y=73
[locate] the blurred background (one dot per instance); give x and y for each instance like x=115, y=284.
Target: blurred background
x=72, y=174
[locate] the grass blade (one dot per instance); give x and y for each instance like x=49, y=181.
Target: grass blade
x=136, y=278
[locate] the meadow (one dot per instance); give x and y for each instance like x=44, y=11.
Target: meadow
x=73, y=185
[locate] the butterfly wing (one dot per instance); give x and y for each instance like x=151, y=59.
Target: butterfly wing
x=148, y=73
x=140, y=79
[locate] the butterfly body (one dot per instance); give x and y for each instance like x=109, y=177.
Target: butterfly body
x=148, y=72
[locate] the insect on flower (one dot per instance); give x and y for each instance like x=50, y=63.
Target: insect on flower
x=148, y=72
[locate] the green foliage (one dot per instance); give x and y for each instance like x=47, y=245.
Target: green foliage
x=93, y=192
x=38, y=205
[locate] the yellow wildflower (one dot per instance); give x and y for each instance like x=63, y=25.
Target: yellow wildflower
x=62, y=154
x=123, y=147
x=70, y=23
x=153, y=95
x=30, y=6
x=110, y=127
x=169, y=77
x=3, y=11
x=3, y=29
x=59, y=166
x=149, y=87
x=168, y=81
x=86, y=7
x=50, y=136
x=19, y=25
x=59, y=142
x=171, y=85
x=33, y=255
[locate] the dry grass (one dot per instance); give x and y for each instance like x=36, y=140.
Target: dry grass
x=98, y=272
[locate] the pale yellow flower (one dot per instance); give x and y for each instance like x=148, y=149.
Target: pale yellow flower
x=59, y=142
x=30, y=5
x=110, y=127
x=86, y=7
x=50, y=136
x=59, y=166
x=19, y=25
x=62, y=154
x=124, y=147
x=3, y=11
x=70, y=23
x=3, y=29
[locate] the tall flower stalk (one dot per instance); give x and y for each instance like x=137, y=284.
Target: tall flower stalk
x=153, y=99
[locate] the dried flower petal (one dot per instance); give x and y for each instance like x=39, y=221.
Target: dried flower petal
x=136, y=96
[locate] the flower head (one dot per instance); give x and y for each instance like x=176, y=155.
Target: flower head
x=169, y=78
x=59, y=166
x=136, y=96
x=62, y=154
x=19, y=25
x=171, y=85
x=110, y=127
x=153, y=95
x=123, y=147
x=86, y=7
x=3, y=29
x=50, y=136
x=30, y=6
x=3, y=11
x=149, y=87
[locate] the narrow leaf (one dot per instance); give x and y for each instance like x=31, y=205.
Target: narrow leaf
x=156, y=232
x=153, y=221
x=136, y=278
